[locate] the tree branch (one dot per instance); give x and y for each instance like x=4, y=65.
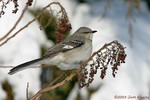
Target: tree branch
x=7, y=66
x=26, y=25
x=27, y=91
x=56, y=85
x=15, y=25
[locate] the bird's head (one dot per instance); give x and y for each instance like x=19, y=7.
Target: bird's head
x=85, y=32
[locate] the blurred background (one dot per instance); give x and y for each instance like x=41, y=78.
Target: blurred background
x=127, y=21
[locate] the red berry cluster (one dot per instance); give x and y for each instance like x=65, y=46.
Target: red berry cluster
x=112, y=54
x=62, y=27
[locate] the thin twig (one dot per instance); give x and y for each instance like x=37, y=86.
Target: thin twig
x=56, y=85
x=15, y=25
x=7, y=66
x=27, y=91
x=26, y=25
x=57, y=78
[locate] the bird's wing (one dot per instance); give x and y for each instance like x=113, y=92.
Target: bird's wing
x=67, y=44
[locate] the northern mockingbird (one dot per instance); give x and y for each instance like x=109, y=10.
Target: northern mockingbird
x=67, y=54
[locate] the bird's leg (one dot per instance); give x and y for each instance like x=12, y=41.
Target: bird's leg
x=65, y=72
x=81, y=70
x=78, y=71
x=82, y=65
x=62, y=73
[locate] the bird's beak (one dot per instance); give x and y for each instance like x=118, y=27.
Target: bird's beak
x=94, y=31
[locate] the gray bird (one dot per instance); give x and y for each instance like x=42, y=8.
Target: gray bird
x=67, y=54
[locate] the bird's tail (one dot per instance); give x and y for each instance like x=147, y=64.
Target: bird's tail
x=24, y=66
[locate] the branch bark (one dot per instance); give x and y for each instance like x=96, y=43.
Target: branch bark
x=56, y=85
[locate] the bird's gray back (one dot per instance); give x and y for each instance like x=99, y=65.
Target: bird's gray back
x=74, y=41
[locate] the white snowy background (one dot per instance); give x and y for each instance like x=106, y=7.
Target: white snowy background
x=133, y=77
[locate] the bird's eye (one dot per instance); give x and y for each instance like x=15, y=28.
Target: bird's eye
x=86, y=32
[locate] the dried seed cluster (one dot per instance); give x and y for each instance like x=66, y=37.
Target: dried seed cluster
x=4, y=3
x=63, y=25
x=29, y=2
x=110, y=54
